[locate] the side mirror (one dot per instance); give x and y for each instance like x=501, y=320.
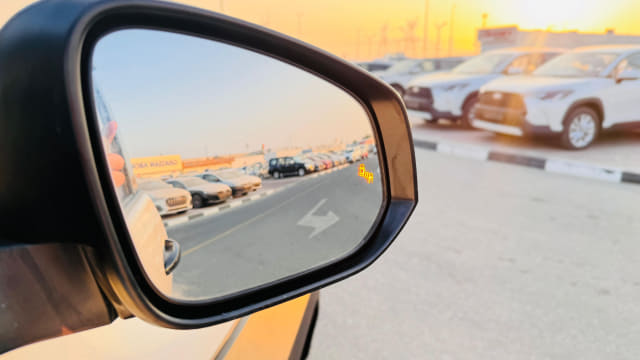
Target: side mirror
x=124, y=80
x=628, y=74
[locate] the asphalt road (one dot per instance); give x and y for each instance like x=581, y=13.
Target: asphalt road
x=497, y=262
x=309, y=223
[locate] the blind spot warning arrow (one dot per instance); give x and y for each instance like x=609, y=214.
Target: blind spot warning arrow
x=318, y=223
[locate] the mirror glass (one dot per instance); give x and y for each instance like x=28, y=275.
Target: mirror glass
x=233, y=169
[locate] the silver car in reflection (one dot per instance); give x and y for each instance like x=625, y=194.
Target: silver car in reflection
x=240, y=183
x=202, y=192
x=167, y=199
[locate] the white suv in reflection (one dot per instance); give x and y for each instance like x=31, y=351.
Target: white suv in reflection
x=451, y=95
x=575, y=96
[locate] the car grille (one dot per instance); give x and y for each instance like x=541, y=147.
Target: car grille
x=418, y=98
x=176, y=201
x=502, y=99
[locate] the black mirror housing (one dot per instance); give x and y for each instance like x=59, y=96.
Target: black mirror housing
x=49, y=122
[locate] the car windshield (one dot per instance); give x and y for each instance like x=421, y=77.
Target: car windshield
x=153, y=185
x=579, y=64
x=401, y=67
x=193, y=182
x=488, y=63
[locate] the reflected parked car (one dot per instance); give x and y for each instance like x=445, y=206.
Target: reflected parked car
x=283, y=166
x=167, y=199
x=317, y=163
x=258, y=169
x=329, y=161
x=451, y=95
x=202, y=192
x=240, y=184
x=353, y=154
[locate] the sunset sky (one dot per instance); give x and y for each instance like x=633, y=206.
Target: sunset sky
x=336, y=25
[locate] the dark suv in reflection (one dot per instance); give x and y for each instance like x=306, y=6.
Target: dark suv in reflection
x=282, y=166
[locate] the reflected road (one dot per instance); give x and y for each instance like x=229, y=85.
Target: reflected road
x=306, y=224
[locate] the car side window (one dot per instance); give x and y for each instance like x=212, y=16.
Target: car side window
x=211, y=177
x=273, y=162
x=177, y=184
x=428, y=65
x=630, y=62
x=535, y=60
x=290, y=161
x=519, y=65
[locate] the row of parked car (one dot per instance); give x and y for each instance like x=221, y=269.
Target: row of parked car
x=180, y=194
x=307, y=163
x=570, y=95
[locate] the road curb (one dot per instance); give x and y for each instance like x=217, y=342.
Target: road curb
x=558, y=166
x=232, y=204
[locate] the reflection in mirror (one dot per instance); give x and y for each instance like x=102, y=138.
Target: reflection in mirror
x=257, y=169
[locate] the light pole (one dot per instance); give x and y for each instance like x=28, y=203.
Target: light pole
x=438, y=31
x=425, y=34
x=453, y=10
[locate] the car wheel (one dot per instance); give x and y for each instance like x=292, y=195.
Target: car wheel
x=197, y=201
x=581, y=128
x=276, y=175
x=301, y=172
x=465, y=120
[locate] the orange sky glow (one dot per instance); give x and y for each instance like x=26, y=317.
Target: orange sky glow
x=357, y=29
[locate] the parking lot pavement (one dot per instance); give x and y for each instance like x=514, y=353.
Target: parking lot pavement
x=497, y=262
x=618, y=150
x=268, y=239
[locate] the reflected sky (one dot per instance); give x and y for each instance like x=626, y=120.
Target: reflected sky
x=177, y=94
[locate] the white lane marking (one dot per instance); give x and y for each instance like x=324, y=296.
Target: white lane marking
x=582, y=170
x=318, y=223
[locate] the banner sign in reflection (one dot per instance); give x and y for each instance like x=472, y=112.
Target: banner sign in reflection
x=363, y=173
x=156, y=165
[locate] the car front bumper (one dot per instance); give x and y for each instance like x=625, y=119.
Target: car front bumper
x=219, y=197
x=510, y=121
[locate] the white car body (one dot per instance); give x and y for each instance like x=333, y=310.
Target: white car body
x=353, y=154
x=400, y=74
x=616, y=101
x=167, y=199
x=451, y=90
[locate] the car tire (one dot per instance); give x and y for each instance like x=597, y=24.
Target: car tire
x=276, y=175
x=581, y=128
x=197, y=201
x=465, y=119
x=300, y=172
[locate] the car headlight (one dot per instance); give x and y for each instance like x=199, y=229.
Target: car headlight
x=453, y=87
x=553, y=95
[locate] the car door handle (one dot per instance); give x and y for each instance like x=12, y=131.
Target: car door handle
x=171, y=255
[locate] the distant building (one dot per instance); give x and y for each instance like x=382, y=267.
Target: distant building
x=510, y=36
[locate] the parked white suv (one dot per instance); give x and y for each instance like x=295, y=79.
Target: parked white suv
x=451, y=95
x=402, y=72
x=575, y=96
